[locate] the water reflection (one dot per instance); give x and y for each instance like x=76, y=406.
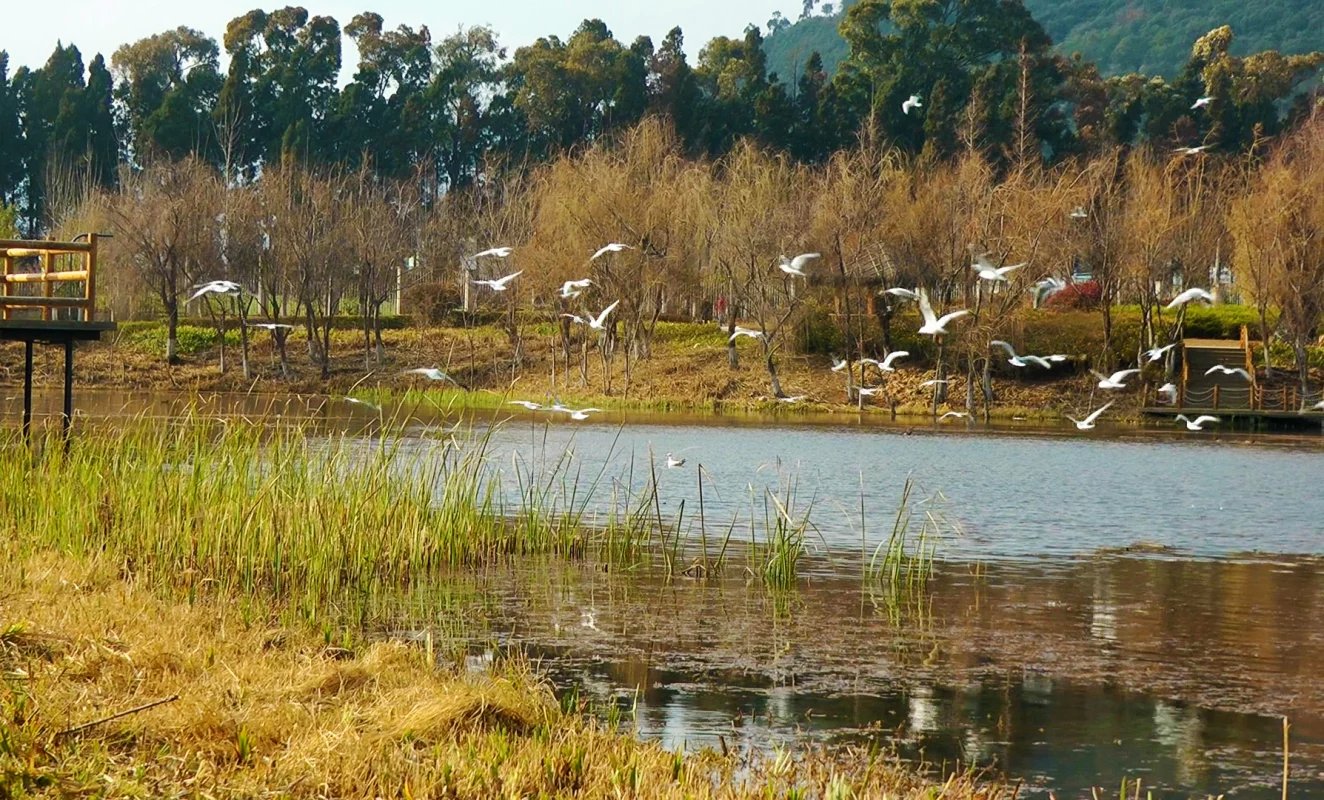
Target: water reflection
x=1069, y=673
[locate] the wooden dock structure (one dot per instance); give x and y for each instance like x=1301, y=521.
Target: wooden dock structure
x=48, y=296
x=1232, y=396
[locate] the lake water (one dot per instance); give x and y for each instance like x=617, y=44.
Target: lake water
x=1139, y=603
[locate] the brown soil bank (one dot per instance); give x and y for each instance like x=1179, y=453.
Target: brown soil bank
x=687, y=369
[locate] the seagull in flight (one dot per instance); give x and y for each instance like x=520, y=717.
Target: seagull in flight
x=1189, y=295
x=793, y=399
x=933, y=382
x=1021, y=361
x=1115, y=380
x=432, y=374
x=1196, y=424
x=364, y=403
x=217, y=287
x=1190, y=151
x=1088, y=423
x=1318, y=406
x=581, y=414
x=954, y=415
x=673, y=462
x=499, y=252
x=572, y=289
x=1169, y=390
x=904, y=294
x=863, y=391
x=1202, y=102
x=909, y=103
x=529, y=404
x=499, y=285
x=989, y=271
x=886, y=364
x=1049, y=286
x=740, y=331
x=614, y=247
x=1155, y=353
x=1079, y=212
x=1228, y=371
x=838, y=364
x=933, y=324
x=271, y=326
x=795, y=266
x=596, y=323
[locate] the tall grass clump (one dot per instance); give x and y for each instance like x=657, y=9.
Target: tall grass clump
x=902, y=565
x=253, y=508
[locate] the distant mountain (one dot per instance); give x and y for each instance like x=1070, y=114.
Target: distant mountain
x=1149, y=36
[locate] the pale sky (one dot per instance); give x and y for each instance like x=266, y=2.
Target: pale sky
x=33, y=27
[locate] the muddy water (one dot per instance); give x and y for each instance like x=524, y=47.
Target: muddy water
x=1067, y=673
x=1137, y=603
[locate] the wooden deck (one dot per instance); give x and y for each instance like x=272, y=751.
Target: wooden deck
x=32, y=313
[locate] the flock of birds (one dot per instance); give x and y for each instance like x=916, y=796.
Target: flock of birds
x=932, y=325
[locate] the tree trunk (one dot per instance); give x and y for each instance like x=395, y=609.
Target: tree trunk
x=172, y=333
x=1264, y=340
x=774, y=382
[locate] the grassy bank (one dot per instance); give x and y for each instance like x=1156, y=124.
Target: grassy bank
x=256, y=708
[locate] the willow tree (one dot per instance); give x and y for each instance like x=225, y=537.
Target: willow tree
x=761, y=213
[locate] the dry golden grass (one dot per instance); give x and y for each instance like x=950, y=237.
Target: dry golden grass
x=263, y=711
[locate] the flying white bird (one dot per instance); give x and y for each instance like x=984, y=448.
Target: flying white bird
x=596, y=323
x=991, y=272
x=499, y=285
x=1228, y=371
x=1088, y=423
x=1114, y=381
x=1318, y=406
x=614, y=247
x=750, y=332
x=795, y=266
x=673, y=462
x=1021, y=361
x=581, y=414
x=1197, y=423
x=954, y=414
x=431, y=373
x=217, y=287
x=271, y=326
x=886, y=364
x=909, y=103
x=1079, y=212
x=1169, y=390
x=1155, y=353
x=572, y=289
x=529, y=404
x=1058, y=358
x=795, y=398
x=933, y=324
x=1189, y=295
x=1049, y=287
x=863, y=391
x=364, y=403
x=838, y=364
x=904, y=294
x=1190, y=151
x=499, y=252
x=1201, y=103
x=933, y=382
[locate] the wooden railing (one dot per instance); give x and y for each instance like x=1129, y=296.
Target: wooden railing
x=53, y=267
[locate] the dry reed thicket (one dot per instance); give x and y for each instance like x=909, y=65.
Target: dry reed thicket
x=705, y=237
x=263, y=710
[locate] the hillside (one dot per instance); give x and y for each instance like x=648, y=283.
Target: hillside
x=1150, y=36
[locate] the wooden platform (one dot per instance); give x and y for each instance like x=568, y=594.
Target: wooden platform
x=1254, y=418
x=30, y=271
